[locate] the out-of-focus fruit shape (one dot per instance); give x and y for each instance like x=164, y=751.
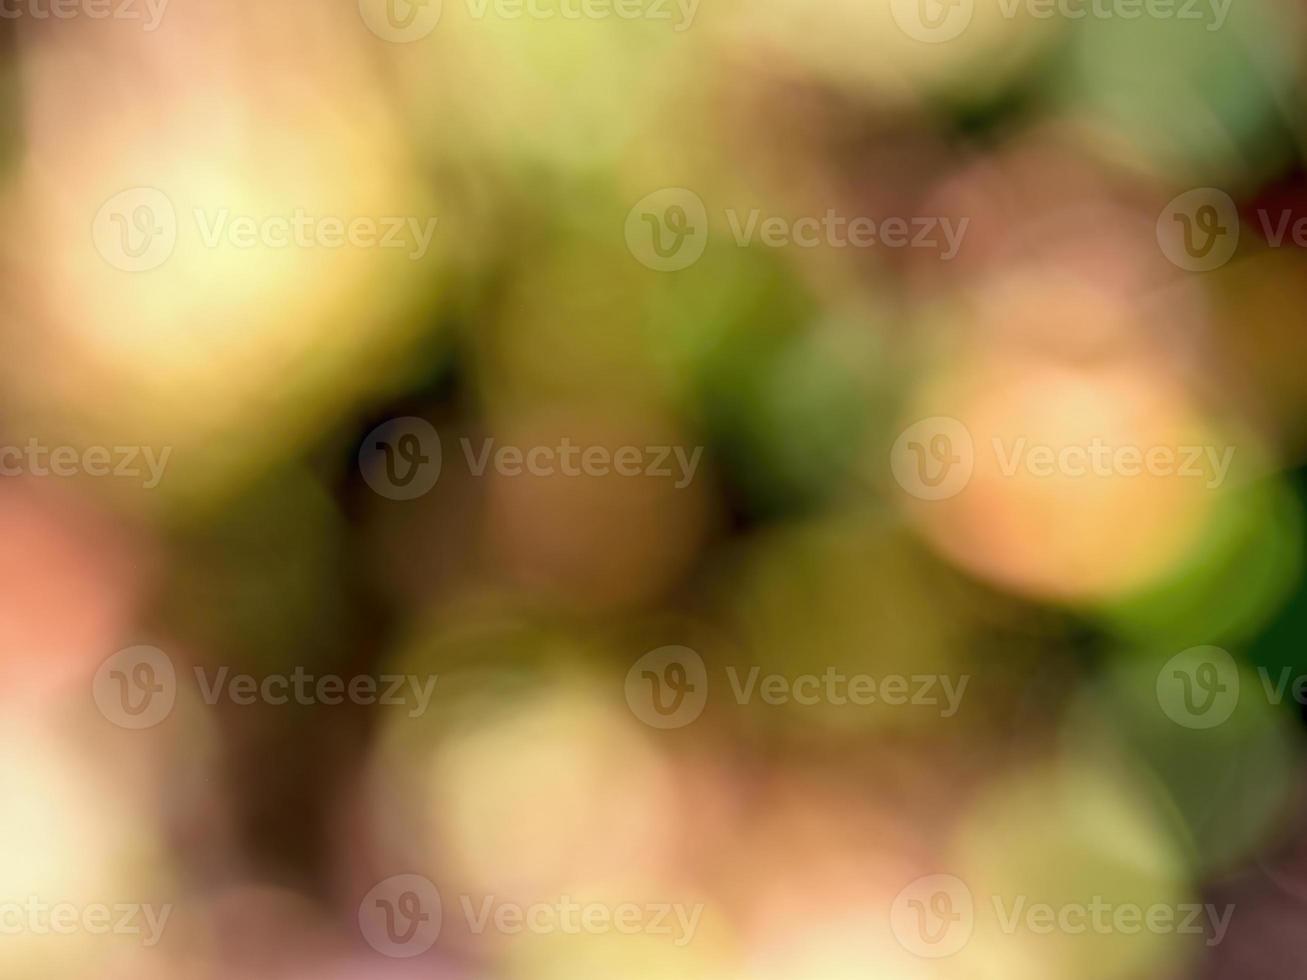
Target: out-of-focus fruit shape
x=1205, y=92
x=1062, y=865
x=235, y=264
x=1201, y=731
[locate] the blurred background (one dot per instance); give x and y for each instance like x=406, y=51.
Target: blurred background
x=831, y=301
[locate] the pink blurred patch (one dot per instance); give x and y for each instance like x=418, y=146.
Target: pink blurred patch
x=70, y=582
